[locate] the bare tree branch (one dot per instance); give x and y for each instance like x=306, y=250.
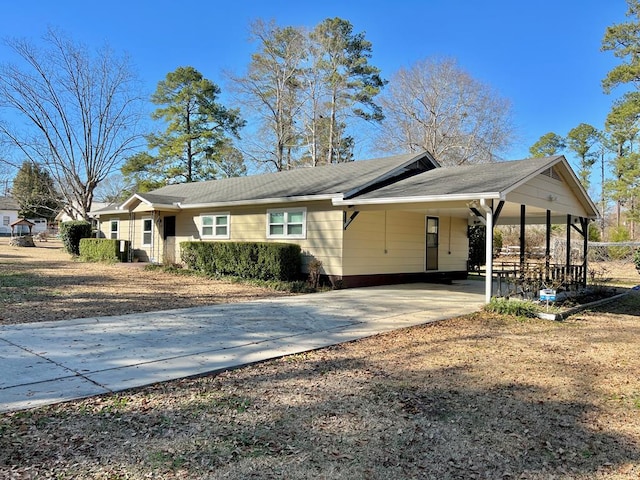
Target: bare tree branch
x=83, y=111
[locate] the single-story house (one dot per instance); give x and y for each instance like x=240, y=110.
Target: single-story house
x=9, y=210
x=8, y=214
x=387, y=220
x=64, y=214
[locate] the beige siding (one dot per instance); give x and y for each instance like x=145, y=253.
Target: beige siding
x=131, y=229
x=394, y=242
x=548, y=193
x=249, y=224
x=376, y=242
x=453, y=251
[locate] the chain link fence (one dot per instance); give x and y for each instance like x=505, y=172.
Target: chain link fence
x=620, y=252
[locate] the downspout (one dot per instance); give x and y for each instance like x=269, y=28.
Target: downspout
x=488, y=285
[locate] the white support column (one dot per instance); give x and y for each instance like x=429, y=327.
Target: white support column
x=489, y=251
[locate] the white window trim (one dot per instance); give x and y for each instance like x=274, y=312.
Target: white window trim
x=117, y=230
x=147, y=231
x=215, y=215
x=286, y=212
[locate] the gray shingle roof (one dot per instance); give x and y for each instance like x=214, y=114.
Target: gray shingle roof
x=8, y=203
x=467, y=179
x=324, y=180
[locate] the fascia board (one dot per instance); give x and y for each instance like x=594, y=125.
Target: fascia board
x=261, y=201
x=419, y=199
x=576, y=183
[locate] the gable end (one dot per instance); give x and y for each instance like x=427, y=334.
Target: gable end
x=420, y=164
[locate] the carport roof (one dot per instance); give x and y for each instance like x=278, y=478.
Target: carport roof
x=474, y=182
x=488, y=179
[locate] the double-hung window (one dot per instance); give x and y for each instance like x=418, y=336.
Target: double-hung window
x=287, y=223
x=214, y=225
x=147, y=231
x=114, y=229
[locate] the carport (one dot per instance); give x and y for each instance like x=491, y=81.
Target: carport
x=533, y=191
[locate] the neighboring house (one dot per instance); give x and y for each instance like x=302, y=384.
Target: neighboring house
x=8, y=214
x=63, y=215
x=388, y=220
x=9, y=209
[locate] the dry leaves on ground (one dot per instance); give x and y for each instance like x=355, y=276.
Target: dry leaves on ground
x=481, y=396
x=43, y=283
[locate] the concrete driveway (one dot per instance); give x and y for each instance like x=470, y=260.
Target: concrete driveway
x=51, y=362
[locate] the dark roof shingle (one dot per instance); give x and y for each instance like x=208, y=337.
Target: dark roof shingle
x=466, y=179
x=323, y=180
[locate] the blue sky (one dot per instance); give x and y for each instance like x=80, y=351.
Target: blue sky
x=544, y=55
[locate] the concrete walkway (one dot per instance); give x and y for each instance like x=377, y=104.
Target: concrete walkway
x=51, y=362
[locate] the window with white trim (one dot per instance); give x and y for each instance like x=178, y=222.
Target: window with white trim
x=287, y=223
x=214, y=225
x=6, y=220
x=147, y=231
x=114, y=229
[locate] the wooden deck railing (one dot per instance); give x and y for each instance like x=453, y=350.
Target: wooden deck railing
x=514, y=278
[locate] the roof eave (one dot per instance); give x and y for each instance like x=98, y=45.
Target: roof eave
x=259, y=201
x=554, y=161
x=455, y=197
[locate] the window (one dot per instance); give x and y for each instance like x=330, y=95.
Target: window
x=5, y=221
x=287, y=223
x=147, y=231
x=214, y=225
x=114, y=229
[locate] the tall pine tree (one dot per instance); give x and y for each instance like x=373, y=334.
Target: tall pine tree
x=196, y=142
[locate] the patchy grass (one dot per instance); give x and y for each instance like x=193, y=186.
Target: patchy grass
x=45, y=283
x=277, y=285
x=483, y=396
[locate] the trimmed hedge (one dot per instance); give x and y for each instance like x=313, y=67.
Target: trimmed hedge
x=263, y=261
x=72, y=232
x=103, y=250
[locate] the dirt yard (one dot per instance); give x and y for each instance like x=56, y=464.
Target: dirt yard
x=481, y=396
x=42, y=283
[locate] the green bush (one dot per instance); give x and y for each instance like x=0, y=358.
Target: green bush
x=518, y=308
x=103, y=250
x=477, y=246
x=72, y=232
x=636, y=259
x=263, y=261
x=619, y=234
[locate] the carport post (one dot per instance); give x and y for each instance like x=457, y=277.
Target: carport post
x=488, y=286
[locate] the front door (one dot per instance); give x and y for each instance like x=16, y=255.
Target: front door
x=432, y=243
x=169, y=237
x=169, y=227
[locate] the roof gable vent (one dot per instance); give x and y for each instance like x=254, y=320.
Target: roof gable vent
x=551, y=172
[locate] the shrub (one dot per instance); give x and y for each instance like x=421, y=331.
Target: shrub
x=264, y=261
x=72, y=232
x=103, y=250
x=636, y=259
x=477, y=246
x=518, y=308
x=619, y=234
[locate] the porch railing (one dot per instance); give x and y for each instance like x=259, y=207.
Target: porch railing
x=515, y=278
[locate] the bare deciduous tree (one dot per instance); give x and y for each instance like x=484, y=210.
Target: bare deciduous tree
x=303, y=88
x=271, y=91
x=81, y=109
x=436, y=106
